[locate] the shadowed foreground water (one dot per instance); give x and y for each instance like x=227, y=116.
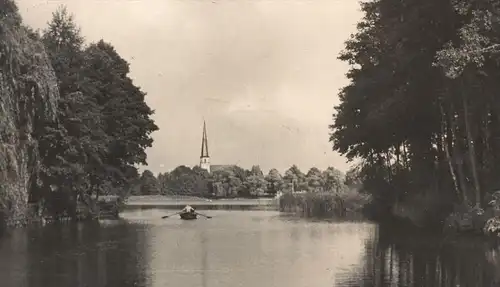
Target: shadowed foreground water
x=235, y=248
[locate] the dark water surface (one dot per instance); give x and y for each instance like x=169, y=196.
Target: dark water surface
x=235, y=248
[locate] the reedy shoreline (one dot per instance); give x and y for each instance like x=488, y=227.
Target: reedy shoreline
x=324, y=204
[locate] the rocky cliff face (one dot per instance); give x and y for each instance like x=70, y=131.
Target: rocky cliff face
x=28, y=96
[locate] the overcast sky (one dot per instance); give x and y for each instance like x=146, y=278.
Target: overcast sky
x=262, y=73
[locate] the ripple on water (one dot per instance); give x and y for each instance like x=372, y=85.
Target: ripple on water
x=234, y=248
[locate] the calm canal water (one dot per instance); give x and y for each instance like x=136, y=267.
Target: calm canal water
x=235, y=248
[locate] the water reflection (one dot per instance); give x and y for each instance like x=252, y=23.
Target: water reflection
x=73, y=255
x=204, y=259
x=393, y=259
x=237, y=248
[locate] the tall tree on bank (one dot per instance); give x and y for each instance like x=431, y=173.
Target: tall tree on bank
x=387, y=116
x=275, y=181
x=334, y=179
x=315, y=179
x=149, y=183
x=163, y=182
x=103, y=125
x=295, y=178
x=73, y=143
x=181, y=181
x=125, y=115
x=255, y=183
x=471, y=64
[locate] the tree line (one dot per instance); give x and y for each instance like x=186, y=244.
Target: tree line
x=234, y=181
x=102, y=125
x=421, y=111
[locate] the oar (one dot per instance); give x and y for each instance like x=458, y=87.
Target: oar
x=167, y=216
x=206, y=216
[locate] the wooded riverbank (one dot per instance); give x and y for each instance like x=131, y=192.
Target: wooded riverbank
x=73, y=125
x=420, y=116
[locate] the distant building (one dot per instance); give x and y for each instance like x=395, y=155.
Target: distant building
x=221, y=167
x=205, y=157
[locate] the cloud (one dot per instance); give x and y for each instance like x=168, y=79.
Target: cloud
x=264, y=74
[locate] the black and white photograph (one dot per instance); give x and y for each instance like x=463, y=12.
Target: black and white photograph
x=249, y=143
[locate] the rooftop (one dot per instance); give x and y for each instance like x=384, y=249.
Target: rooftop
x=217, y=167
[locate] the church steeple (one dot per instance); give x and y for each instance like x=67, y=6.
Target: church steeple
x=204, y=157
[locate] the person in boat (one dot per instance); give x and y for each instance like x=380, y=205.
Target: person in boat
x=188, y=209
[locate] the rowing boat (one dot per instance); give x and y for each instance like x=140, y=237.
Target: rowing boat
x=188, y=215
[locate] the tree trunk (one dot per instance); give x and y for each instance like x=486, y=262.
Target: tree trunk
x=388, y=166
x=397, y=152
x=472, y=153
x=458, y=158
x=445, y=131
x=405, y=156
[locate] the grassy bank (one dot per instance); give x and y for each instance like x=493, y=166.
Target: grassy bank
x=324, y=204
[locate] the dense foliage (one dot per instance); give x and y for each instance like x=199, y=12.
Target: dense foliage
x=28, y=97
x=420, y=112
x=234, y=181
x=102, y=127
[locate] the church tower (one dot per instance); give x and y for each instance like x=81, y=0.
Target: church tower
x=204, y=158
